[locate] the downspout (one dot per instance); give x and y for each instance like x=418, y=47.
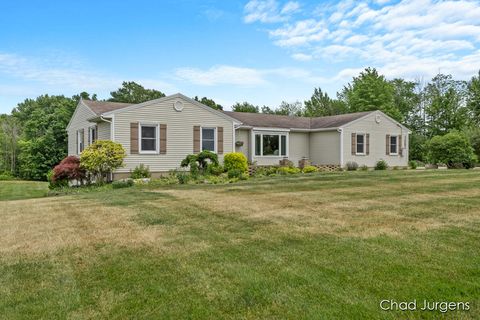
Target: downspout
x=340, y=130
x=111, y=126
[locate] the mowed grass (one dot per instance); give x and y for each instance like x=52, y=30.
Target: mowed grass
x=16, y=189
x=323, y=246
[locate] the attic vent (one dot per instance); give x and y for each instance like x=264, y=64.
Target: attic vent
x=377, y=118
x=178, y=105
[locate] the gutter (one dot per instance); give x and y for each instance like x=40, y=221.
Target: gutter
x=340, y=130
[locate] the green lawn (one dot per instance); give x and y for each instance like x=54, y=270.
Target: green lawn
x=325, y=246
x=16, y=189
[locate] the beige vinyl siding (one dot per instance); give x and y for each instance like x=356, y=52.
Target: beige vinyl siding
x=244, y=136
x=104, y=131
x=378, y=132
x=299, y=146
x=78, y=122
x=325, y=147
x=179, y=132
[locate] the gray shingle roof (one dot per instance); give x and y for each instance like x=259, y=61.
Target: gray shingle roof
x=289, y=122
x=100, y=107
x=255, y=119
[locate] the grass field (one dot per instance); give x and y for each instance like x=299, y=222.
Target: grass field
x=15, y=189
x=322, y=247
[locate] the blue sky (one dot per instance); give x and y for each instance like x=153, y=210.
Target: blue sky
x=263, y=52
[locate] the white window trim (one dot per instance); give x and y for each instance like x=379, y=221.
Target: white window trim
x=90, y=135
x=82, y=136
x=364, y=153
x=279, y=134
x=214, y=138
x=157, y=138
x=390, y=145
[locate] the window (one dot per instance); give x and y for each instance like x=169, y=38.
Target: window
x=360, y=144
x=270, y=145
x=393, y=145
x=148, y=138
x=208, y=139
x=258, y=144
x=80, y=142
x=92, y=134
x=283, y=145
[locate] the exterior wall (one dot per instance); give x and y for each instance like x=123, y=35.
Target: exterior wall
x=325, y=147
x=179, y=132
x=104, y=131
x=378, y=132
x=299, y=146
x=244, y=136
x=78, y=122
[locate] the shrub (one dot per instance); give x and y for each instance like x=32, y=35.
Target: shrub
x=235, y=173
x=198, y=163
x=102, y=157
x=266, y=171
x=141, y=171
x=381, y=165
x=288, y=170
x=6, y=176
x=309, y=169
x=364, y=167
x=67, y=170
x=352, y=166
x=122, y=183
x=182, y=177
x=451, y=149
x=235, y=161
x=215, y=170
x=412, y=164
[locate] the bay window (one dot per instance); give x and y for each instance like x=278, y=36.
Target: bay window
x=270, y=144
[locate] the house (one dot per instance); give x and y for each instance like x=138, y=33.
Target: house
x=161, y=132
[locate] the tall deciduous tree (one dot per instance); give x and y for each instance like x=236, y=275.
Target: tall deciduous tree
x=290, y=109
x=473, y=99
x=370, y=91
x=320, y=104
x=43, y=141
x=132, y=92
x=209, y=102
x=245, y=107
x=445, y=105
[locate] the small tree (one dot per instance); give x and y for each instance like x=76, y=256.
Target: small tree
x=67, y=170
x=453, y=149
x=102, y=157
x=200, y=162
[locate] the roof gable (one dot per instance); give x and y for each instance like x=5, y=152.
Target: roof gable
x=79, y=105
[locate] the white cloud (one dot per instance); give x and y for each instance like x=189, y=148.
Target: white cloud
x=290, y=7
x=302, y=57
x=219, y=75
x=269, y=11
x=61, y=75
x=302, y=32
x=240, y=76
x=397, y=37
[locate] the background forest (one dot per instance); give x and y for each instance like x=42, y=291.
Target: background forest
x=33, y=137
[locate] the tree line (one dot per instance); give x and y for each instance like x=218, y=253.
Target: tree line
x=33, y=137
